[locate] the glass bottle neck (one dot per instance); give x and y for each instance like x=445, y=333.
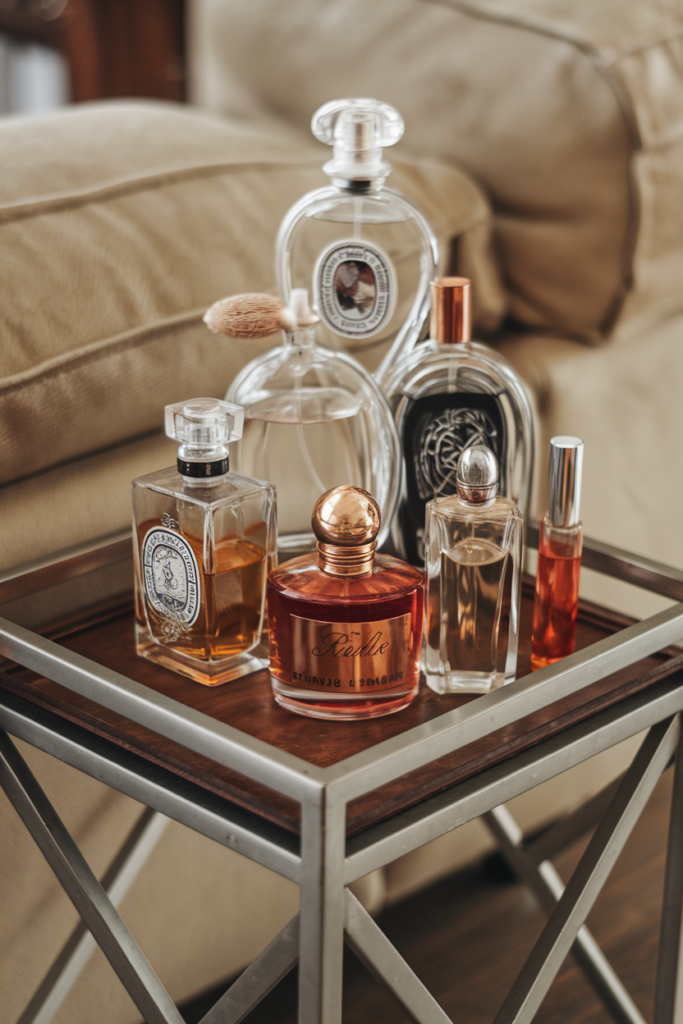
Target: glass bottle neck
x=301, y=336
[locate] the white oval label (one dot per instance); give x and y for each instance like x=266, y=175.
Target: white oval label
x=355, y=288
x=171, y=576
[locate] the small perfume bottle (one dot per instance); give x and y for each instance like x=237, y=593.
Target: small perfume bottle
x=345, y=624
x=474, y=554
x=365, y=250
x=448, y=394
x=314, y=418
x=205, y=540
x=559, y=556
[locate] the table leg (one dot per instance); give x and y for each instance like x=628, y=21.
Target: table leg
x=321, y=949
x=669, y=994
x=84, y=890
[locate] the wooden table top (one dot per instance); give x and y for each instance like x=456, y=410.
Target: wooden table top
x=247, y=704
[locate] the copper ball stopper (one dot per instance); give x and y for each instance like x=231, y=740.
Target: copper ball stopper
x=346, y=516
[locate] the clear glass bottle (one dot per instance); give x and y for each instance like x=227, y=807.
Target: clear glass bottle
x=314, y=419
x=345, y=624
x=556, y=601
x=473, y=571
x=205, y=540
x=365, y=251
x=446, y=395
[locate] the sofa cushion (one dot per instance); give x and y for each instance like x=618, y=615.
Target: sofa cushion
x=120, y=223
x=571, y=116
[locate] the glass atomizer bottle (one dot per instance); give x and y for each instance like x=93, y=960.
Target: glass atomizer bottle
x=556, y=600
x=345, y=624
x=473, y=568
x=205, y=539
x=314, y=418
x=364, y=250
x=446, y=395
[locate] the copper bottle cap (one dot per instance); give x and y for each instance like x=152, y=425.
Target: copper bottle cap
x=451, y=319
x=346, y=522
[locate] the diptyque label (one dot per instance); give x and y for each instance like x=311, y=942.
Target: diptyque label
x=171, y=578
x=349, y=657
x=355, y=288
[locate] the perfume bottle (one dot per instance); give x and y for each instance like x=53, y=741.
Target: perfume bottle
x=448, y=394
x=345, y=624
x=314, y=418
x=556, y=600
x=474, y=555
x=365, y=251
x=205, y=539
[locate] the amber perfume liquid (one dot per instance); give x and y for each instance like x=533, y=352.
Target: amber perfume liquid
x=557, y=593
x=229, y=618
x=475, y=598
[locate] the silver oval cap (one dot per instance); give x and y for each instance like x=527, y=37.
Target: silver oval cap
x=564, y=480
x=477, y=476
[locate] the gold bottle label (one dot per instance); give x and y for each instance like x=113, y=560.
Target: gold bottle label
x=350, y=657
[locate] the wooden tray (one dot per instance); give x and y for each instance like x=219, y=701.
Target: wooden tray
x=247, y=704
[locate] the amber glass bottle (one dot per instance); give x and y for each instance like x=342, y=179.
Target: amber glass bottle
x=205, y=540
x=559, y=556
x=345, y=624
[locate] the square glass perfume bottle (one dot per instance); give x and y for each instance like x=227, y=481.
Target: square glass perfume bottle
x=473, y=562
x=204, y=541
x=345, y=624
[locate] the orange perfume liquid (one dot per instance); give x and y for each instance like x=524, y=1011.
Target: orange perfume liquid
x=557, y=593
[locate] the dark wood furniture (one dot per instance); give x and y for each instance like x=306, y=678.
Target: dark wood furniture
x=112, y=47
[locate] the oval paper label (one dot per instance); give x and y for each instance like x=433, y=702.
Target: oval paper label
x=355, y=288
x=171, y=575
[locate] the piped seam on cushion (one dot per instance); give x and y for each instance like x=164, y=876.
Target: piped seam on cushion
x=130, y=186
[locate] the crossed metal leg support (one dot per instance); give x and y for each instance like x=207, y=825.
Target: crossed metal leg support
x=330, y=914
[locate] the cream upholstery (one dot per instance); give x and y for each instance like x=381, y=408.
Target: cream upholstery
x=570, y=115
x=104, y=281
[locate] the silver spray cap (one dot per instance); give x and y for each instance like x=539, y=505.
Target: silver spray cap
x=477, y=476
x=564, y=481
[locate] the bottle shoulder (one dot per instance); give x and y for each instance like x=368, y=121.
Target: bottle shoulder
x=433, y=367
x=452, y=507
x=233, y=487
x=302, y=579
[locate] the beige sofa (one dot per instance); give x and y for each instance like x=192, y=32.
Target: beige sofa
x=121, y=223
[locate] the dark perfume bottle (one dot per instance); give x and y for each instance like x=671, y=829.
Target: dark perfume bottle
x=447, y=395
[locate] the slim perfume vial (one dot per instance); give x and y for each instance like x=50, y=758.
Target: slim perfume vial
x=204, y=541
x=556, y=600
x=345, y=623
x=473, y=566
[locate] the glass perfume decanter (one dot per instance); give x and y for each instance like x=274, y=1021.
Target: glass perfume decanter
x=473, y=567
x=205, y=539
x=556, y=601
x=314, y=418
x=345, y=624
x=365, y=251
x=448, y=394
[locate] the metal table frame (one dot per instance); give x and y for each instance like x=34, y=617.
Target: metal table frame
x=323, y=862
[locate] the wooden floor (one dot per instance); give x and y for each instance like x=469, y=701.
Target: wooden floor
x=468, y=936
